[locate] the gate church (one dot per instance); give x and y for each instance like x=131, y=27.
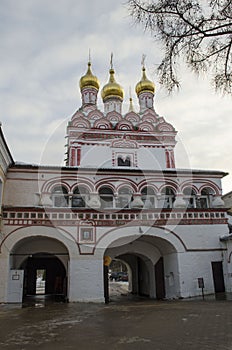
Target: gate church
x=119, y=196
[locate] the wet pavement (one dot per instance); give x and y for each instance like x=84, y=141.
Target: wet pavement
x=124, y=323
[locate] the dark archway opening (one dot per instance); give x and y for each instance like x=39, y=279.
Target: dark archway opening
x=54, y=276
x=128, y=278
x=118, y=276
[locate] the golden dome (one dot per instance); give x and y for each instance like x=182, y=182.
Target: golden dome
x=112, y=89
x=89, y=80
x=144, y=85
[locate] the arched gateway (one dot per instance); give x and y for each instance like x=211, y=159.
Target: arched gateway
x=151, y=253
x=33, y=255
x=41, y=264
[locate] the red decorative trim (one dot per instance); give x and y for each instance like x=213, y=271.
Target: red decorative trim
x=169, y=183
x=125, y=185
x=72, y=157
x=206, y=184
x=150, y=118
x=95, y=115
x=77, y=115
x=172, y=159
x=113, y=116
x=190, y=186
x=44, y=225
x=212, y=186
x=102, y=124
x=78, y=155
x=113, y=223
x=47, y=186
x=82, y=184
x=81, y=123
x=165, y=127
x=168, y=165
x=146, y=126
x=151, y=185
x=108, y=180
x=124, y=125
x=132, y=117
x=86, y=232
x=153, y=137
x=124, y=143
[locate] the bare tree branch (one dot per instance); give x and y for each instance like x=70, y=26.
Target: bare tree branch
x=202, y=35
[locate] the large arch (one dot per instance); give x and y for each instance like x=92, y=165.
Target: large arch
x=129, y=233
x=152, y=255
x=34, y=248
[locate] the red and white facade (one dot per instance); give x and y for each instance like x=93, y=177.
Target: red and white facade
x=119, y=195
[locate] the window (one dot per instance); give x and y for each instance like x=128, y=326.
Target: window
x=148, y=197
x=124, y=161
x=106, y=197
x=205, y=199
x=167, y=197
x=124, y=198
x=60, y=196
x=80, y=197
x=190, y=197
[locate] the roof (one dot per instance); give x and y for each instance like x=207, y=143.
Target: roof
x=176, y=171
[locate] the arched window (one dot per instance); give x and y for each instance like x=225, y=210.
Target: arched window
x=80, y=197
x=124, y=198
x=124, y=161
x=190, y=197
x=106, y=197
x=148, y=197
x=60, y=196
x=168, y=197
x=205, y=199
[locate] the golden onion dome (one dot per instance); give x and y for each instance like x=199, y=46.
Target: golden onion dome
x=89, y=80
x=112, y=88
x=144, y=85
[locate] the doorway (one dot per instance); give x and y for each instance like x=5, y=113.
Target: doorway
x=159, y=279
x=44, y=275
x=218, y=277
x=118, y=277
x=40, y=281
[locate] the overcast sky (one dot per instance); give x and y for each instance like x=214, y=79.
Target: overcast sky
x=44, y=48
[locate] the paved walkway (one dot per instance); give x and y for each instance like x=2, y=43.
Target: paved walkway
x=122, y=324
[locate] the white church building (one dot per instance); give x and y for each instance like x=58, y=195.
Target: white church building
x=119, y=196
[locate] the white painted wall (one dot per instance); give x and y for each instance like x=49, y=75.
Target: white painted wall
x=86, y=279
x=171, y=276
x=193, y=266
x=96, y=156
x=101, y=156
x=151, y=158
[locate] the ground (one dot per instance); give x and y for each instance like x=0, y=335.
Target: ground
x=125, y=323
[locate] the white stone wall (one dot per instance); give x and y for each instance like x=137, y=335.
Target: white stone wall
x=85, y=272
x=21, y=193
x=86, y=279
x=151, y=158
x=187, y=250
x=101, y=156
x=96, y=156
x=172, y=276
x=194, y=265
